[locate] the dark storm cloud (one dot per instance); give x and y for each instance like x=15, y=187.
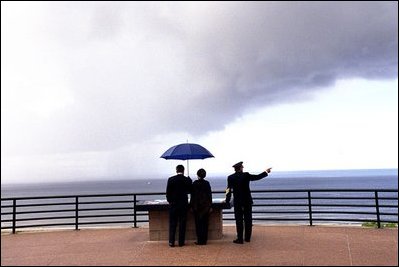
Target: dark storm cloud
x=146, y=69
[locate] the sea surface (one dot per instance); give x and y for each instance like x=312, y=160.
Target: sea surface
x=331, y=179
x=300, y=180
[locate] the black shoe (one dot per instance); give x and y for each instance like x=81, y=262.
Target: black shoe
x=171, y=245
x=238, y=241
x=247, y=240
x=180, y=245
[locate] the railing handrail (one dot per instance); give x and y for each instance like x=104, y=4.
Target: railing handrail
x=84, y=195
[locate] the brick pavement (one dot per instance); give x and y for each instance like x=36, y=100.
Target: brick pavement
x=271, y=245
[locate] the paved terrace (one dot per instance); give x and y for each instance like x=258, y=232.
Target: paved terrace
x=271, y=245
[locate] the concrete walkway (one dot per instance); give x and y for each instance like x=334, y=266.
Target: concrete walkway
x=271, y=245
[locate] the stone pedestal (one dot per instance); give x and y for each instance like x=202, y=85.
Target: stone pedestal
x=158, y=216
x=159, y=225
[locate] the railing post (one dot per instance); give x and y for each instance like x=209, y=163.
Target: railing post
x=14, y=215
x=134, y=211
x=310, y=209
x=377, y=206
x=76, y=213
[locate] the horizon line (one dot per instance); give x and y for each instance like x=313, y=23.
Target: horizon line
x=158, y=176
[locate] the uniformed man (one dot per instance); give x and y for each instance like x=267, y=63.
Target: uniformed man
x=238, y=184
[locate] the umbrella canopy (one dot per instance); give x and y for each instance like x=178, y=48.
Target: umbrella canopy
x=187, y=151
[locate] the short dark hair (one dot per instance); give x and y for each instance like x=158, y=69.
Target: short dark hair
x=179, y=168
x=201, y=173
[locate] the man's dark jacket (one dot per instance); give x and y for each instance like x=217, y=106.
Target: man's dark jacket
x=239, y=183
x=177, y=189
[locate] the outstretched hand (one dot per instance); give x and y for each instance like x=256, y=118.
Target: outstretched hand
x=268, y=170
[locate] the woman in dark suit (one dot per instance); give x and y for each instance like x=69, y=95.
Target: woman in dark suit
x=201, y=204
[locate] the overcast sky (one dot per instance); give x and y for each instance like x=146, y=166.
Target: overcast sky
x=98, y=90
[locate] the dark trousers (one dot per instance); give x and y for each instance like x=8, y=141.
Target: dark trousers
x=243, y=217
x=177, y=214
x=201, y=228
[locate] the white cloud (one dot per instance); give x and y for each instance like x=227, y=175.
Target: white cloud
x=352, y=125
x=104, y=76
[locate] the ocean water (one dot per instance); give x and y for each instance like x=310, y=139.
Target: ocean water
x=336, y=179
x=303, y=180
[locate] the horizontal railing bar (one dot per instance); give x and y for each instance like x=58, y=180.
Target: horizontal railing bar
x=120, y=195
x=107, y=202
x=306, y=219
x=104, y=215
x=105, y=222
x=277, y=198
x=70, y=210
x=138, y=214
x=282, y=212
x=352, y=220
x=83, y=196
x=43, y=225
x=67, y=224
x=43, y=204
x=323, y=205
x=355, y=198
x=282, y=205
x=320, y=212
x=343, y=205
x=275, y=219
x=43, y=211
x=352, y=198
x=325, y=190
x=41, y=197
x=44, y=218
x=70, y=217
x=345, y=212
x=116, y=208
x=354, y=212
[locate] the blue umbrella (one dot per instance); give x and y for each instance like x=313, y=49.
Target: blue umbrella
x=187, y=151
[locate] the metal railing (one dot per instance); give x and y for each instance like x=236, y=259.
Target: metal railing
x=325, y=205
x=309, y=206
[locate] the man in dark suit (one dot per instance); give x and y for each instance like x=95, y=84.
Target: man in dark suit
x=176, y=194
x=239, y=184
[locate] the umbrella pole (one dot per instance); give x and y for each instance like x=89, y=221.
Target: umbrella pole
x=188, y=171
